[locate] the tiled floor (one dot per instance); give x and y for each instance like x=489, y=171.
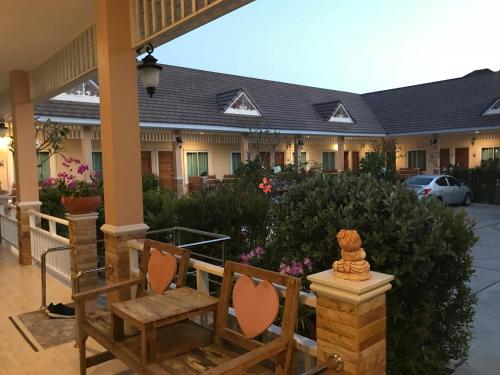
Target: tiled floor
x=20, y=293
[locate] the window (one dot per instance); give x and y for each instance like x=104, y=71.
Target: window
x=235, y=161
x=417, y=159
x=442, y=181
x=242, y=105
x=490, y=153
x=494, y=109
x=43, y=165
x=197, y=164
x=97, y=162
x=329, y=161
x=453, y=181
x=391, y=161
x=303, y=159
x=340, y=115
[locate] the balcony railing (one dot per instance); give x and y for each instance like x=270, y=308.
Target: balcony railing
x=8, y=224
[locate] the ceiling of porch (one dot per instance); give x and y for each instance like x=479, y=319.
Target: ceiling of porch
x=47, y=25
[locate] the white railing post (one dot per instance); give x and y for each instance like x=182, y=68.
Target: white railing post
x=52, y=227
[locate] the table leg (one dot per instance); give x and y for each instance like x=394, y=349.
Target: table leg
x=148, y=343
x=117, y=326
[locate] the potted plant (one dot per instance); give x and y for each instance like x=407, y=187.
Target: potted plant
x=78, y=195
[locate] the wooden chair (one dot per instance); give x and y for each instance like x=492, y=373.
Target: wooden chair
x=231, y=351
x=97, y=324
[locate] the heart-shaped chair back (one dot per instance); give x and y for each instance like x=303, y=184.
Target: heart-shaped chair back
x=255, y=298
x=161, y=264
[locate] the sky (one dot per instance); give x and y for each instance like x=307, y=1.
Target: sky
x=350, y=45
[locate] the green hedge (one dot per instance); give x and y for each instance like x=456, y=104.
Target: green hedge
x=482, y=180
x=425, y=244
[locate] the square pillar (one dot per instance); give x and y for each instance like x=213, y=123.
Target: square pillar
x=83, y=243
x=25, y=163
x=87, y=148
x=120, y=138
x=434, y=156
x=339, y=156
x=351, y=321
x=178, y=167
x=245, y=151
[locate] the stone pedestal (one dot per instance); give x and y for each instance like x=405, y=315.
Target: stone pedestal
x=23, y=230
x=83, y=243
x=117, y=253
x=351, y=321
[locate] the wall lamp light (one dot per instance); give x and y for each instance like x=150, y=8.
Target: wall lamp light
x=150, y=70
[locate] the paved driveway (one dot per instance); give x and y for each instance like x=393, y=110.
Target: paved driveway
x=484, y=356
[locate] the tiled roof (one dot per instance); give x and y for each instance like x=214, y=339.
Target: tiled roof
x=195, y=97
x=189, y=96
x=455, y=104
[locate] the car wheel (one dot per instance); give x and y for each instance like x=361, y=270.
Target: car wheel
x=467, y=200
x=440, y=199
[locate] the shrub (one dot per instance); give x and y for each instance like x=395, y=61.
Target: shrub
x=373, y=163
x=158, y=209
x=425, y=244
x=482, y=180
x=234, y=208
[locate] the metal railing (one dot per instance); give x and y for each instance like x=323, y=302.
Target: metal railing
x=185, y=238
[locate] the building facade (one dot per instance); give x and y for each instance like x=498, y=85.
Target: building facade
x=205, y=124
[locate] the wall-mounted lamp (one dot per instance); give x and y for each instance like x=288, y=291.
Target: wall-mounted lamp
x=433, y=141
x=3, y=128
x=362, y=146
x=300, y=143
x=179, y=141
x=150, y=70
x=472, y=141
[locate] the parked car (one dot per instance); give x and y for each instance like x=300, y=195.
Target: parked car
x=445, y=188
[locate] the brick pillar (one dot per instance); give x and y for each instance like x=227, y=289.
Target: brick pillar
x=339, y=162
x=434, y=156
x=23, y=230
x=351, y=321
x=117, y=253
x=83, y=242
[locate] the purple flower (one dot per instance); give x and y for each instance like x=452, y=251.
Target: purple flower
x=71, y=185
x=65, y=164
x=308, y=263
x=82, y=168
x=62, y=175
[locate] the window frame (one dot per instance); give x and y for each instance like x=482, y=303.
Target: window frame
x=345, y=120
x=334, y=160
x=408, y=158
x=491, y=110
x=185, y=167
x=231, y=166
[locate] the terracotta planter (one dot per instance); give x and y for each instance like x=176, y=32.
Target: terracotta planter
x=81, y=205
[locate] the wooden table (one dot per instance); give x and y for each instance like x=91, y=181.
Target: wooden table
x=154, y=311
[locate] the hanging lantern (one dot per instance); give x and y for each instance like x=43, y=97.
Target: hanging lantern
x=3, y=128
x=150, y=70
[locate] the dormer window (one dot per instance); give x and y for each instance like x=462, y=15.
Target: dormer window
x=334, y=111
x=340, y=115
x=87, y=92
x=237, y=103
x=494, y=109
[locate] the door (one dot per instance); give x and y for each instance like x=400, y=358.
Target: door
x=279, y=158
x=444, y=158
x=146, y=165
x=455, y=191
x=443, y=190
x=462, y=157
x=166, y=169
x=346, y=160
x=265, y=159
x=355, y=160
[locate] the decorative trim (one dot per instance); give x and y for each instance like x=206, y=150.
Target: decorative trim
x=82, y=217
x=29, y=204
x=355, y=292
x=122, y=230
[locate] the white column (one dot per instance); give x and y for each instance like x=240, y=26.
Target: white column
x=245, y=151
x=87, y=146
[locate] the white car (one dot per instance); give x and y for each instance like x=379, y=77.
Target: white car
x=445, y=188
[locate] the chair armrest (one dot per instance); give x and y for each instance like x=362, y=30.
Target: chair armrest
x=105, y=289
x=251, y=358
